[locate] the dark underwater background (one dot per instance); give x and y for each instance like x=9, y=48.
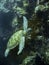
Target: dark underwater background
x=6, y=31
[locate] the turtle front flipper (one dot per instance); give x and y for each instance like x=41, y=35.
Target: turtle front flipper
x=25, y=23
x=21, y=45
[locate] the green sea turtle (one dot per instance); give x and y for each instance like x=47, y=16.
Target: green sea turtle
x=18, y=38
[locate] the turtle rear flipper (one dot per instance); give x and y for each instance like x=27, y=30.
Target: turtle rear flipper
x=21, y=45
x=6, y=52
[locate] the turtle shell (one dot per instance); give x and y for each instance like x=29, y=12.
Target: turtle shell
x=14, y=39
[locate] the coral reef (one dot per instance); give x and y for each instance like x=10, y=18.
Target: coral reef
x=29, y=24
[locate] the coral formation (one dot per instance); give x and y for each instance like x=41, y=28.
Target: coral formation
x=30, y=25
